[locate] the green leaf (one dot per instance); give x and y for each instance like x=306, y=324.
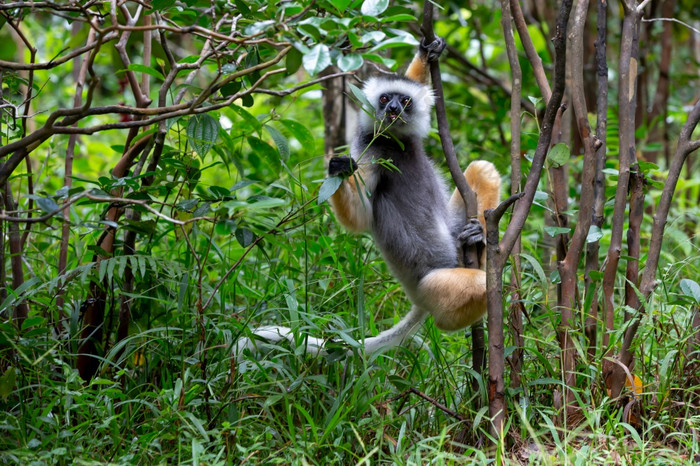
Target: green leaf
x=317, y=60
x=691, y=289
x=559, y=155
x=359, y=95
x=250, y=120
x=293, y=61
x=554, y=231
x=265, y=150
x=280, y=141
x=7, y=382
x=162, y=4
x=330, y=185
x=394, y=42
x=536, y=266
x=247, y=100
x=594, y=234
x=230, y=88
x=374, y=7
x=350, y=62
x=647, y=167
x=398, y=18
x=139, y=68
x=300, y=133
x=341, y=5
x=46, y=204
x=202, y=133
x=244, y=237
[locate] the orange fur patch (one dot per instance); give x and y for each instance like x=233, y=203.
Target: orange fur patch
x=456, y=298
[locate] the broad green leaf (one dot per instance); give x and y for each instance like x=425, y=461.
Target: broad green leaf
x=187, y=204
x=350, y=62
x=330, y=185
x=265, y=150
x=280, y=141
x=7, y=382
x=594, y=234
x=139, y=68
x=559, y=155
x=394, y=42
x=317, y=60
x=251, y=121
x=202, y=133
x=691, y=289
x=301, y=133
x=386, y=61
x=244, y=237
x=46, y=204
x=230, y=88
x=554, y=231
x=162, y=4
x=398, y=18
x=229, y=68
x=374, y=7
x=293, y=61
x=372, y=36
x=341, y=5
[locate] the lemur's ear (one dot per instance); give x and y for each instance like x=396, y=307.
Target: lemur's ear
x=419, y=69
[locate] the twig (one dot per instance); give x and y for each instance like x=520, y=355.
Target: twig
x=430, y=400
x=674, y=20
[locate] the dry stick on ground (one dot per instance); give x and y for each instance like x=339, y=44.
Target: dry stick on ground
x=498, y=252
x=471, y=259
x=648, y=282
x=430, y=400
x=592, y=248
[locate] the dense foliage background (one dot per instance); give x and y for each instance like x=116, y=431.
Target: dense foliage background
x=161, y=162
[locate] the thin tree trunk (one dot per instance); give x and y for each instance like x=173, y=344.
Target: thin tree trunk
x=626, y=104
x=593, y=247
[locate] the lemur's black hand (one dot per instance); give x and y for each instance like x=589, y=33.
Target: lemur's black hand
x=341, y=166
x=473, y=235
x=433, y=49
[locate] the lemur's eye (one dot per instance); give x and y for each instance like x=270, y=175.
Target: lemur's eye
x=383, y=99
x=405, y=101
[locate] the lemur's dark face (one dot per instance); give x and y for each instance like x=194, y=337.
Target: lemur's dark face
x=394, y=109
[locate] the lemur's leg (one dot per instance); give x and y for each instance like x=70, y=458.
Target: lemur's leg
x=456, y=298
x=485, y=181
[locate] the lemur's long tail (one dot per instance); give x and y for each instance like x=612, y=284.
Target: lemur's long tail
x=315, y=346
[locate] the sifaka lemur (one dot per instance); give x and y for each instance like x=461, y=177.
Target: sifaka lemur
x=391, y=189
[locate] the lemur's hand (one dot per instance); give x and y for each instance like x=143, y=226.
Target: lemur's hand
x=434, y=49
x=341, y=166
x=473, y=235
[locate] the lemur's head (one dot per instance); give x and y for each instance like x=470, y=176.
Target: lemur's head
x=401, y=106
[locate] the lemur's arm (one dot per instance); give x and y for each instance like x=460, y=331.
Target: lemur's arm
x=351, y=204
x=419, y=69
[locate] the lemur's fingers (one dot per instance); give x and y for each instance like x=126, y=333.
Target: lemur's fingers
x=433, y=49
x=343, y=166
x=472, y=233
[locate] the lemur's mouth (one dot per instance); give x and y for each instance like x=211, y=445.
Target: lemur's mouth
x=392, y=116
